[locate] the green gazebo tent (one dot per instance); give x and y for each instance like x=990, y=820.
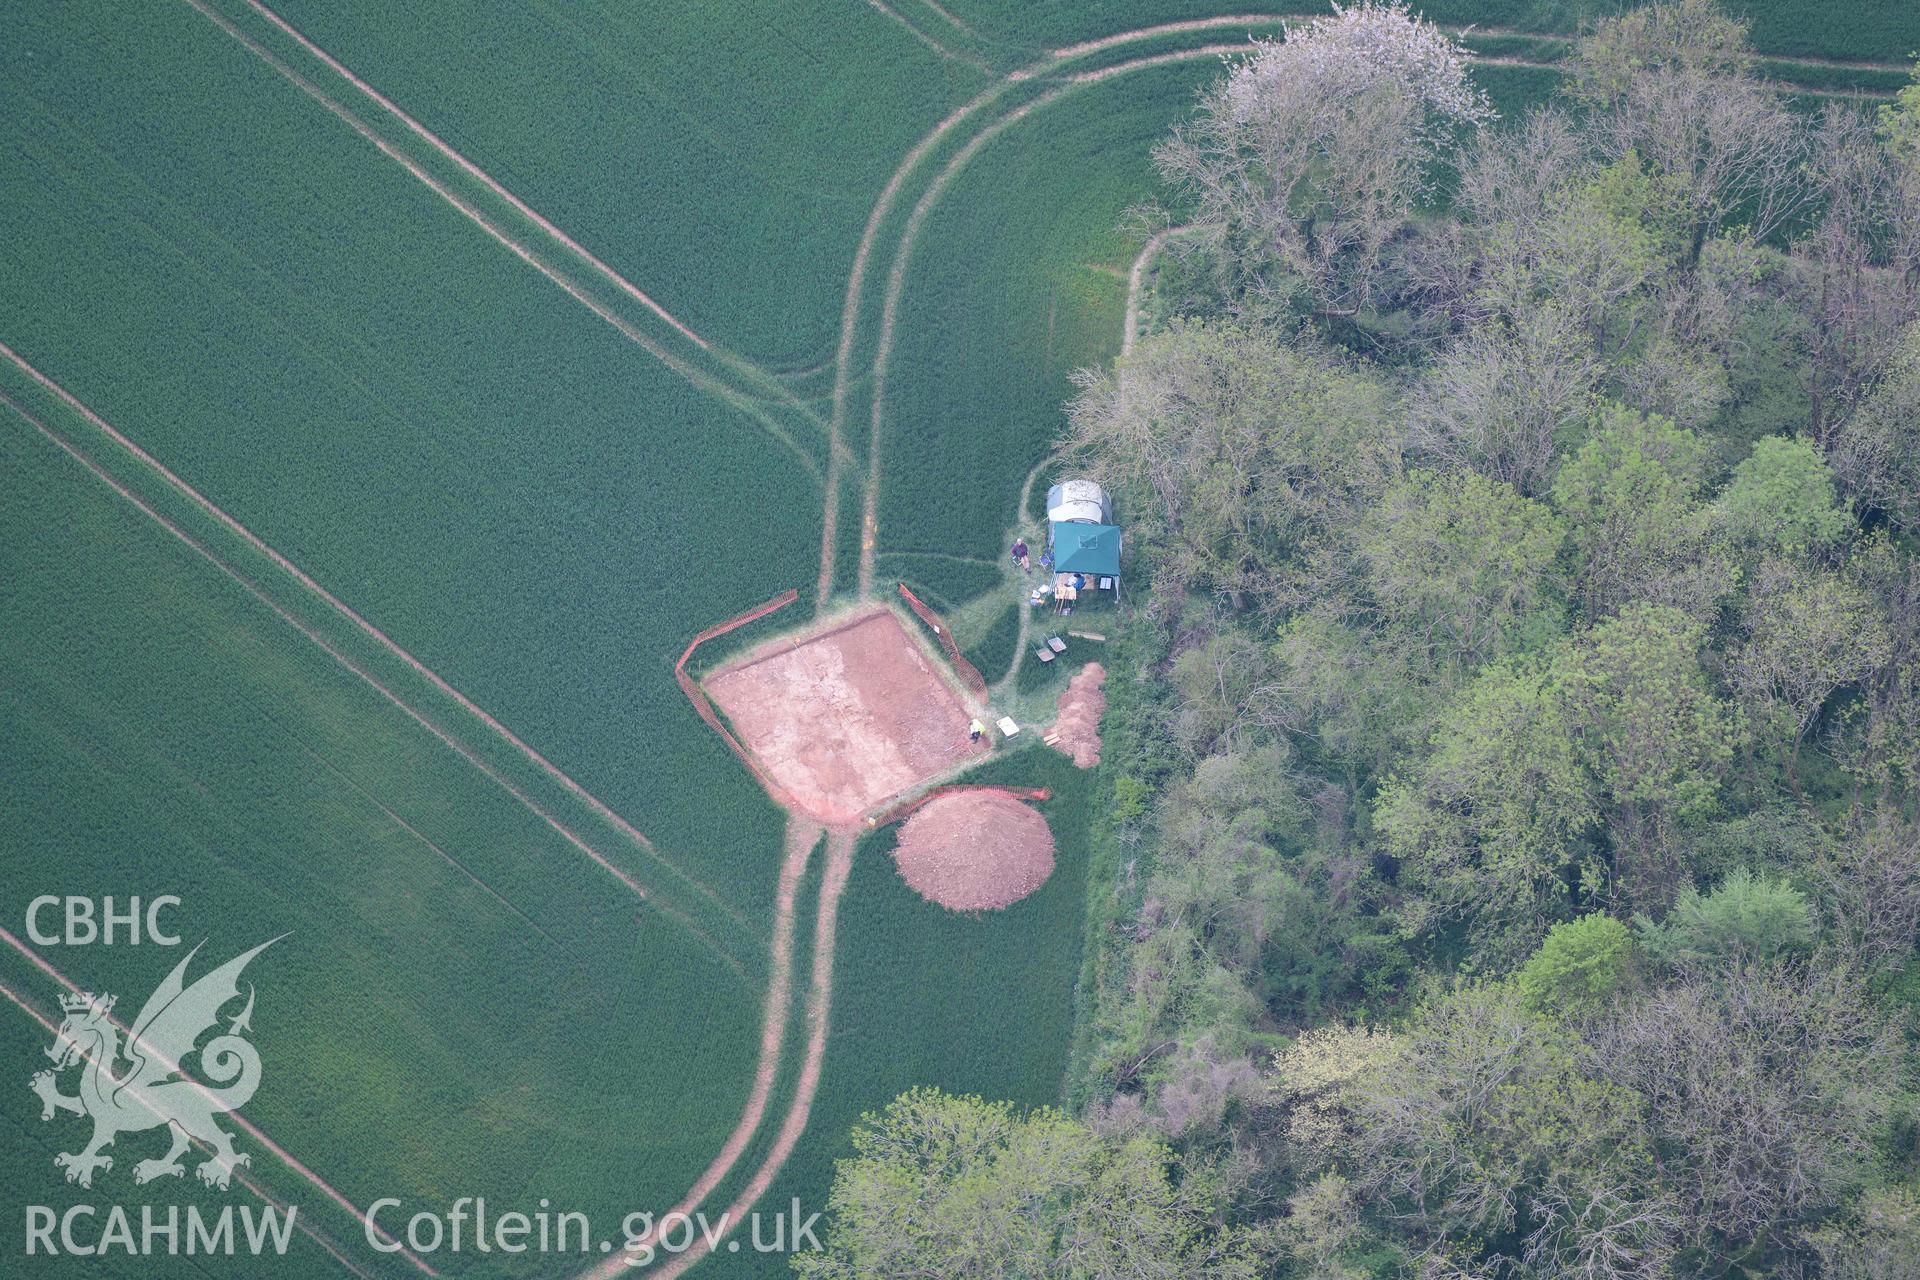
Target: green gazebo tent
x=1092, y=549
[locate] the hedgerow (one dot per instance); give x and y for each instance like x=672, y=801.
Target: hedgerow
x=1134, y=765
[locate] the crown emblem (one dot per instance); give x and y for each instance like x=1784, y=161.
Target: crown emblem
x=85, y=1002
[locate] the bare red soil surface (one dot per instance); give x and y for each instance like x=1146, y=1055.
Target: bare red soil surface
x=975, y=849
x=1077, y=730
x=847, y=718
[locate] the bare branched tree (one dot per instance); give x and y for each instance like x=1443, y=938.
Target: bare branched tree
x=1674, y=85
x=1870, y=882
x=1484, y=1121
x=1875, y=451
x=1315, y=149
x=1861, y=262
x=1509, y=177
x=1764, y=1086
x=1501, y=399
x=1809, y=633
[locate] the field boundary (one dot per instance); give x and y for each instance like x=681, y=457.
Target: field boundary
x=704, y=705
x=968, y=673
x=878, y=367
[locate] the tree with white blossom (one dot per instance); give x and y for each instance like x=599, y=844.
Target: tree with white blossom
x=1315, y=149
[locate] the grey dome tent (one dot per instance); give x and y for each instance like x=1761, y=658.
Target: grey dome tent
x=1079, y=502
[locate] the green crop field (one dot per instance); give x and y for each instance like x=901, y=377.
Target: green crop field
x=539, y=397
x=448, y=442
x=1872, y=29
x=432, y=920
x=725, y=155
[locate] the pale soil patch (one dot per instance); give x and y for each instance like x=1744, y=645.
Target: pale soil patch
x=1076, y=732
x=975, y=849
x=847, y=718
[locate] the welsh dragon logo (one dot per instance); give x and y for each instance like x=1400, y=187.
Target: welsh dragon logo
x=143, y=1086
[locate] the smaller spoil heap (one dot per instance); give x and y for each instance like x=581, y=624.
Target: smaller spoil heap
x=1077, y=730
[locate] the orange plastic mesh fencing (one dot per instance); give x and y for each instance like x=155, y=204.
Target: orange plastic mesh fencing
x=969, y=675
x=903, y=810
x=698, y=696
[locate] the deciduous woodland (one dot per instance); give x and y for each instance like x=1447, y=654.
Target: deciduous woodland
x=1512, y=859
